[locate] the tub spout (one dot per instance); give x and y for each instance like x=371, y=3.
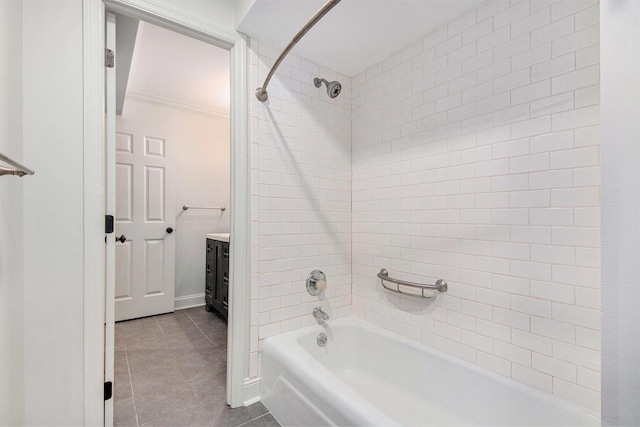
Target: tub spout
x=320, y=315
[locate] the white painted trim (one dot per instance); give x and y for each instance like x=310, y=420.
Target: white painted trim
x=177, y=105
x=165, y=16
x=252, y=391
x=188, y=301
x=93, y=202
x=110, y=209
x=240, y=268
x=240, y=272
x=620, y=209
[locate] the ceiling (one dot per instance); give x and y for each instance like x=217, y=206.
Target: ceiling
x=170, y=67
x=355, y=34
x=166, y=66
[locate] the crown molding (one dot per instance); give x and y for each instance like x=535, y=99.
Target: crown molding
x=178, y=105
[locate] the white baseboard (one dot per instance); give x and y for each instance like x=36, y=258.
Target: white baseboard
x=251, y=391
x=188, y=301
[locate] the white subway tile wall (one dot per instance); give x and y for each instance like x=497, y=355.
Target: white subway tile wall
x=475, y=159
x=300, y=196
x=471, y=155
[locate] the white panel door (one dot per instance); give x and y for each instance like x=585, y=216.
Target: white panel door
x=145, y=206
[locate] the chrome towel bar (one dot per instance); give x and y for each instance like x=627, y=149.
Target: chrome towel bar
x=440, y=286
x=186, y=208
x=19, y=169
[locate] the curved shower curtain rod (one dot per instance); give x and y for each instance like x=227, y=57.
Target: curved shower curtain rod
x=18, y=169
x=261, y=92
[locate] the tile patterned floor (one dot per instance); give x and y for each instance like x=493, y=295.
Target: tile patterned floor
x=170, y=370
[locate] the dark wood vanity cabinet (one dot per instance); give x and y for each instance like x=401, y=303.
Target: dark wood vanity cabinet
x=217, y=277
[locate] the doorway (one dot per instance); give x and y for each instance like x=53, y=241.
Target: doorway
x=172, y=134
x=238, y=391
x=172, y=153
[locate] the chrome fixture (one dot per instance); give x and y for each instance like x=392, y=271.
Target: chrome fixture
x=320, y=315
x=316, y=283
x=322, y=339
x=186, y=208
x=17, y=170
x=261, y=92
x=333, y=88
x=440, y=286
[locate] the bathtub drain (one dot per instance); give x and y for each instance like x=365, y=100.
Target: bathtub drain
x=322, y=339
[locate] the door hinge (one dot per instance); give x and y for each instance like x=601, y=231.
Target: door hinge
x=108, y=224
x=108, y=390
x=109, y=58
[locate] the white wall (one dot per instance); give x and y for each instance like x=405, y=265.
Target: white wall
x=300, y=195
x=620, y=211
x=53, y=212
x=476, y=160
x=11, y=224
x=242, y=7
x=202, y=170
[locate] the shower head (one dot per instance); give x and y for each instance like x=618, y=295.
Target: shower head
x=333, y=88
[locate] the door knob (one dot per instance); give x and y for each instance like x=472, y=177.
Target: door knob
x=169, y=230
x=121, y=239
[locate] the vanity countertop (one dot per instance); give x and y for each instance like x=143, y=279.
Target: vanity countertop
x=223, y=237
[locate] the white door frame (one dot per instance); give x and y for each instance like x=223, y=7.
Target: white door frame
x=93, y=18
x=240, y=390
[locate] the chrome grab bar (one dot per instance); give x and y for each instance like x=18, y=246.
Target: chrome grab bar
x=440, y=286
x=20, y=170
x=261, y=92
x=186, y=208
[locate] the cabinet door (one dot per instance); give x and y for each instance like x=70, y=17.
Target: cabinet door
x=210, y=277
x=218, y=276
x=224, y=283
x=217, y=284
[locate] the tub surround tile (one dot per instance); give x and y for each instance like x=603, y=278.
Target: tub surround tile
x=301, y=173
x=472, y=155
x=508, y=147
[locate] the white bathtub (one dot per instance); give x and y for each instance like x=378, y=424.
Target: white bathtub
x=370, y=377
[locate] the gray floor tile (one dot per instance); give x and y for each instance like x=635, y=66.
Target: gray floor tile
x=236, y=417
x=265, y=420
x=210, y=393
x=170, y=370
x=189, y=340
x=141, y=361
x=121, y=389
x=150, y=386
x=120, y=344
x=180, y=418
x=198, y=364
x=121, y=379
x=199, y=313
x=178, y=328
x=124, y=413
x=136, y=327
x=147, y=341
x=177, y=411
x=120, y=361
